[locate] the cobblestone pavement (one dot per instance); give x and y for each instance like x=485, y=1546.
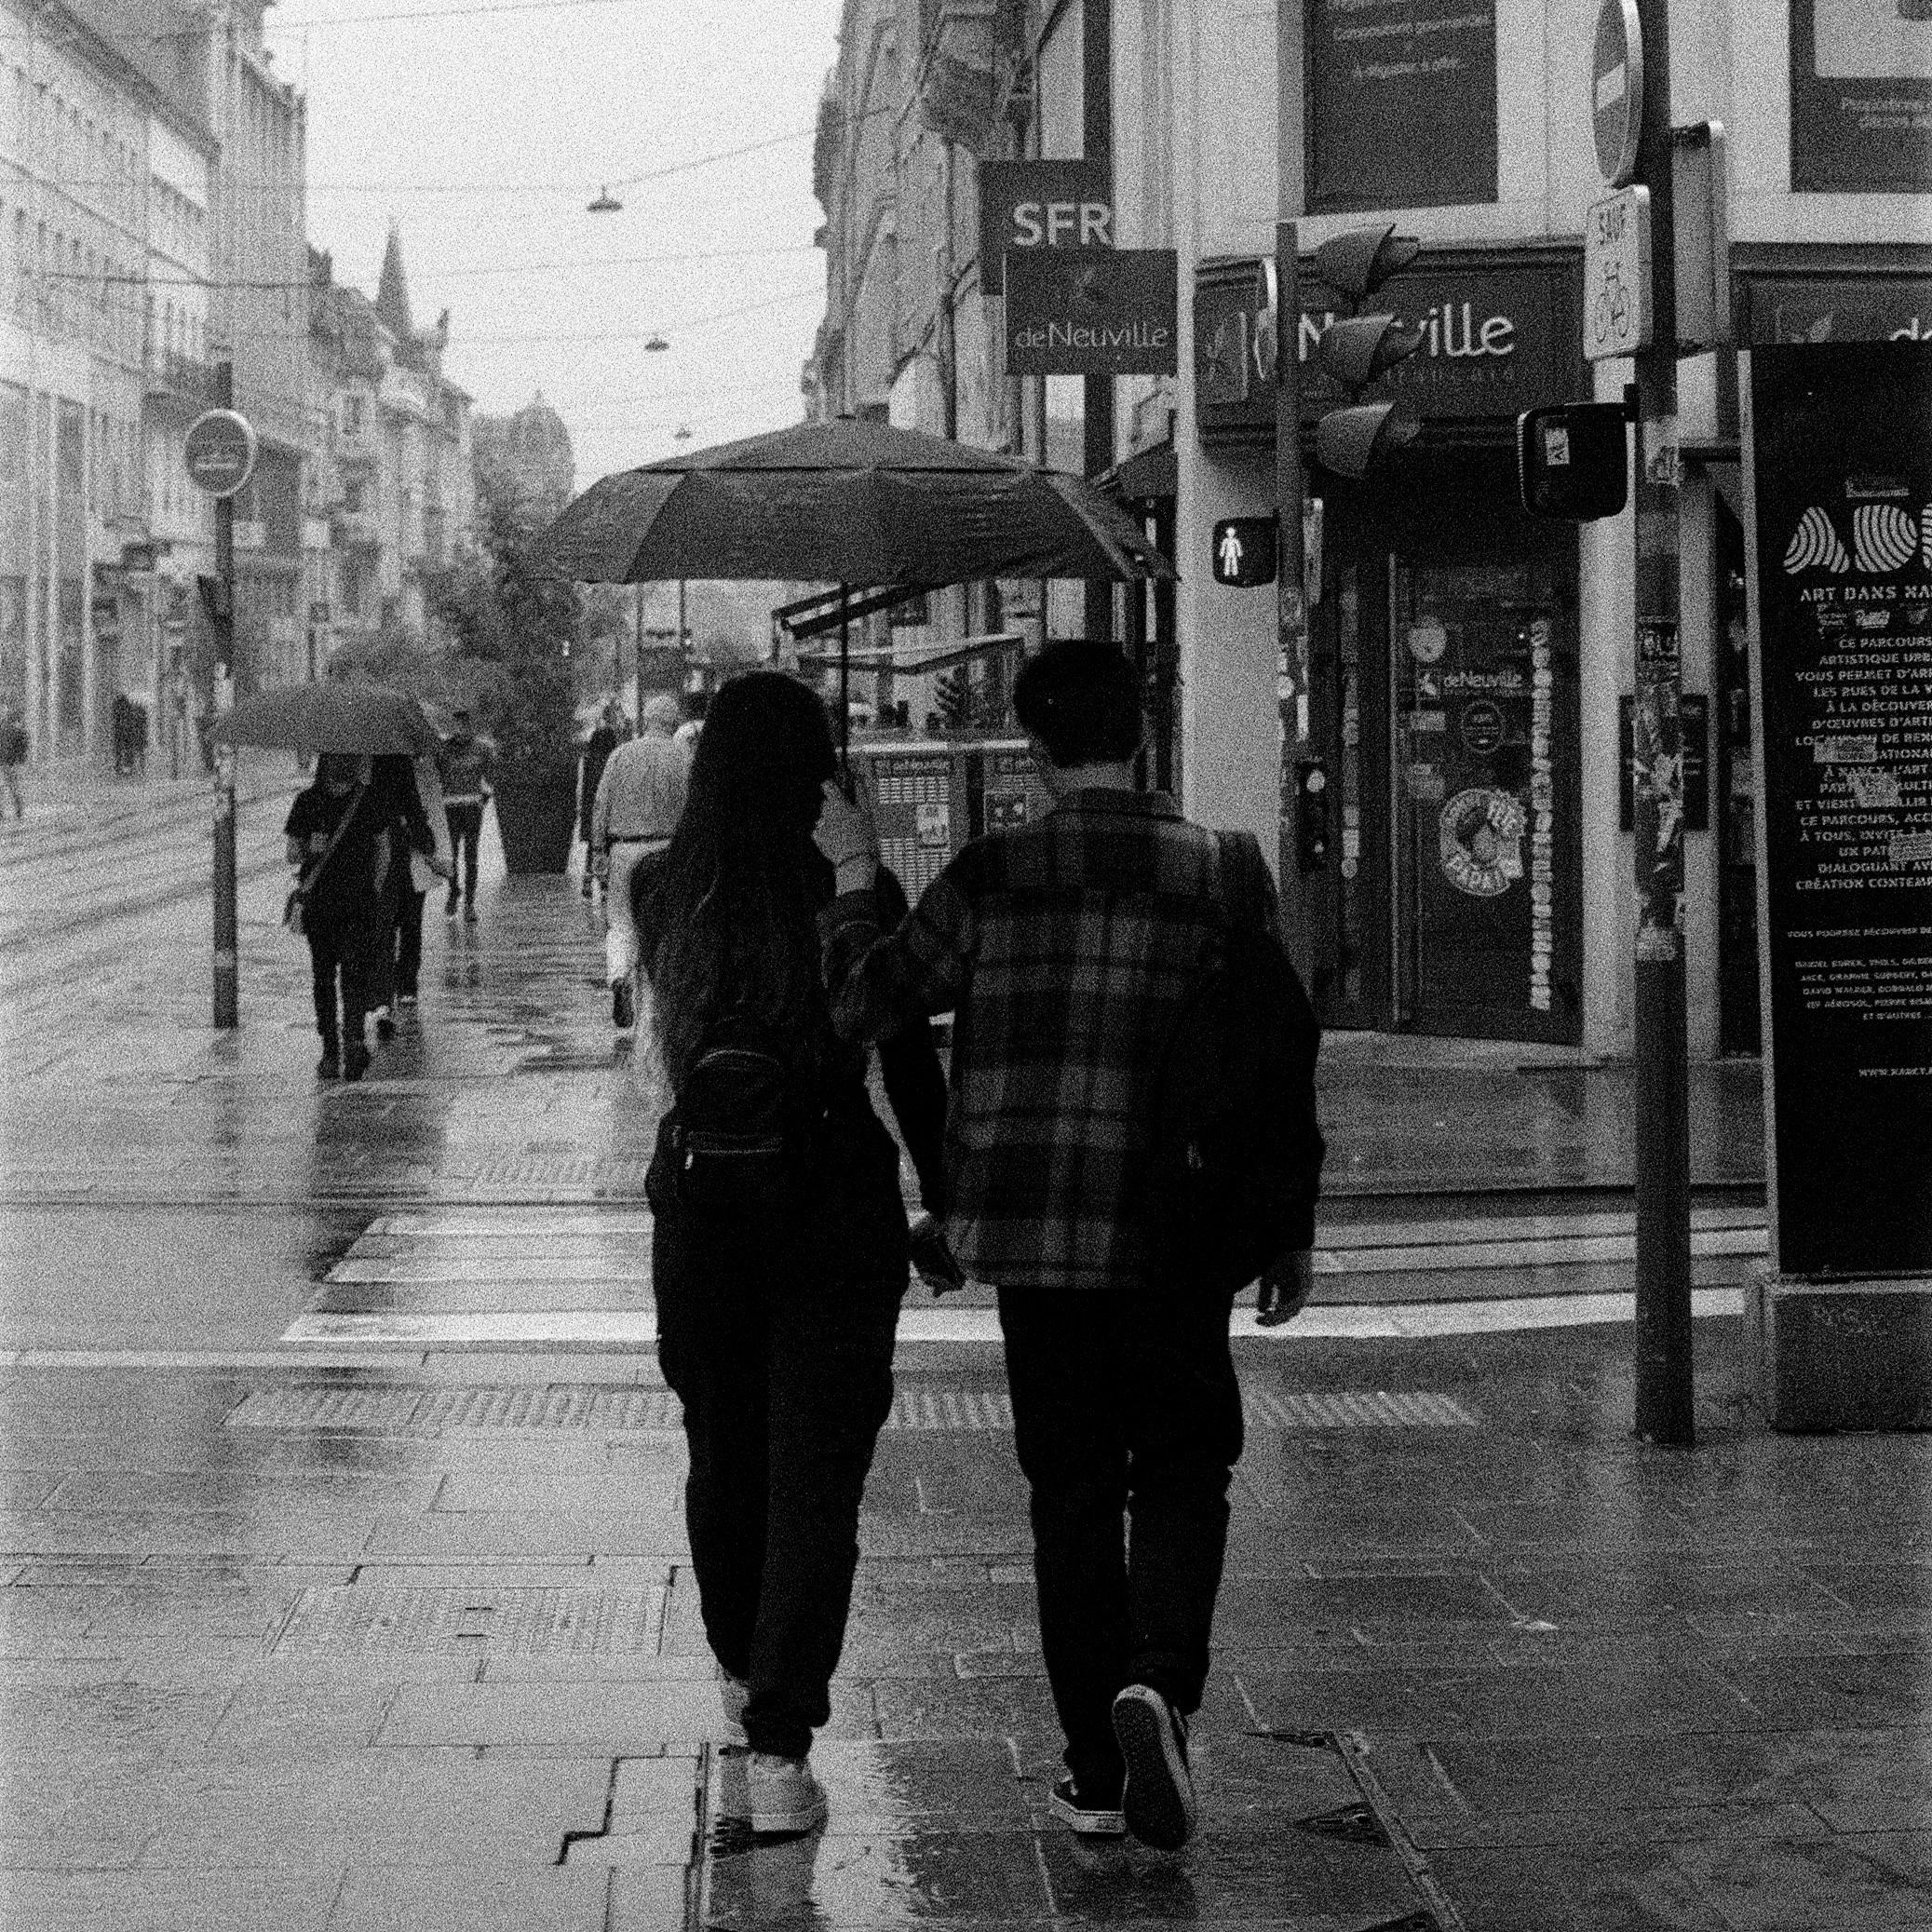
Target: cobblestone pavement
x=367, y=1633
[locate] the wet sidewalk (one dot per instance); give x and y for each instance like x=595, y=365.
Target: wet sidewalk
x=356, y=1631
x=415, y=1644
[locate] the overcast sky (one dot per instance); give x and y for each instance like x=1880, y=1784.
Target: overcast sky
x=483, y=130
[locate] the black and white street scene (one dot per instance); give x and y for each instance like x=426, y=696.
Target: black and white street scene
x=965, y=965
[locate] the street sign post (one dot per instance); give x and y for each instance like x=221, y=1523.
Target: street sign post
x=220, y=453
x=1616, y=277
x=221, y=458
x=1634, y=313
x=1618, y=91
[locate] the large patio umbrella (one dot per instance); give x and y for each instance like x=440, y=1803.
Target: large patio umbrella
x=315, y=718
x=846, y=502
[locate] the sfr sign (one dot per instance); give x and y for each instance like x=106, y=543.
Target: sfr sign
x=1041, y=205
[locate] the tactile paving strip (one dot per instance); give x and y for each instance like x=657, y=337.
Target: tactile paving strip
x=348, y=1620
x=581, y=1406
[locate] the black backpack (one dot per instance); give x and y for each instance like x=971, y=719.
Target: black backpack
x=740, y=1123
x=1236, y=1160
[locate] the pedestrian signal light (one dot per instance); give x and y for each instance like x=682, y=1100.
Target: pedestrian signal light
x=1349, y=442
x=1245, y=551
x=1572, y=461
x=1357, y=263
x=956, y=699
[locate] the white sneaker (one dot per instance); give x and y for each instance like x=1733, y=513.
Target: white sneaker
x=786, y=1798
x=733, y=1691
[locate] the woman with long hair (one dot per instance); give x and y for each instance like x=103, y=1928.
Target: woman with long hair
x=777, y=1298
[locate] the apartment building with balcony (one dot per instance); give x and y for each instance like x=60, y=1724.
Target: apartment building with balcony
x=390, y=492
x=86, y=228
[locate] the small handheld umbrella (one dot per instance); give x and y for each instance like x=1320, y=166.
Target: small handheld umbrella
x=846, y=502
x=317, y=718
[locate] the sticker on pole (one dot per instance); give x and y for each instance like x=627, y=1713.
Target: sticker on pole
x=221, y=452
x=1617, y=317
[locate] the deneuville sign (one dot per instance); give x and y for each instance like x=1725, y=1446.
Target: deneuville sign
x=1092, y=312
x=1499, y=336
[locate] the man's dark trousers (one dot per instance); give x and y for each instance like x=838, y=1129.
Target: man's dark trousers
x=466, y=829
x=1125, y=1410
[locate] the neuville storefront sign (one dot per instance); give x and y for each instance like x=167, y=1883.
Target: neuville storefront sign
x=1498, y=338
x=1091, y=312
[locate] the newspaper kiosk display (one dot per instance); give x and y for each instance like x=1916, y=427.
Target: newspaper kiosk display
x=1007, y=789
x=919, y=802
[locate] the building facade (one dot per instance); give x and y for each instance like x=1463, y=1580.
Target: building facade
x=1468, y=666
x=153, y=227
x=390, y=486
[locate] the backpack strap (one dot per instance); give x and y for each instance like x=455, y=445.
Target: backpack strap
x=307, y=883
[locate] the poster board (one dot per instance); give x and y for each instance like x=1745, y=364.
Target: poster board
x=1838, y=478
x=1861, y=97
x=1007, y=791
x=919, y=802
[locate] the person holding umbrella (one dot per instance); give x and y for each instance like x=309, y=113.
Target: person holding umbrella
x=779, y=1262
x=338, y=839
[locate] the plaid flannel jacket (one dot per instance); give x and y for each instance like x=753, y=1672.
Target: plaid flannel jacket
x=1065, y=949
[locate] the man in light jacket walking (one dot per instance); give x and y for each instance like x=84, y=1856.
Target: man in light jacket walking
x=1067, y=949
x=640, y=798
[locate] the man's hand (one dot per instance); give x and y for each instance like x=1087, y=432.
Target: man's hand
x=1285, y=1288
x=845, y=832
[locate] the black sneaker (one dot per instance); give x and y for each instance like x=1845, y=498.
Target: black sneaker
x=469, y=914
x=450, y=906
x=1158, y=1800
x=623, y=1009
x=385, y=1026
x=1086, y=1815
x=328, y=1067
x=355, y=1060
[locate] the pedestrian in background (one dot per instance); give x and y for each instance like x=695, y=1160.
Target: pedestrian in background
x=596, y=754
x=412, y=839
x=338, y=838
x=1068, y=948
x=639, y=800
x=14, y=747
x=464, y=769
x=777, y=1313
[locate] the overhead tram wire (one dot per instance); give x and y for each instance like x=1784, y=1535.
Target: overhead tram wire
x=156, y=36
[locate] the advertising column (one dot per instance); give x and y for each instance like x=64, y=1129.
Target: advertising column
x=1839, y=502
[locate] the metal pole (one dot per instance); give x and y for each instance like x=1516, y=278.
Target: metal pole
x=1097, y=400
x=1291, y=585
x=1664, y=1405
x=844, y=682
x=227, y=1013
x=637, y=666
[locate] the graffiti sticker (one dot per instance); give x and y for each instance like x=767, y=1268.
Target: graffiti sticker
x=1480, y=836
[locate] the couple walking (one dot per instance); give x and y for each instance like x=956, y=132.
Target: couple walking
x=776, y=947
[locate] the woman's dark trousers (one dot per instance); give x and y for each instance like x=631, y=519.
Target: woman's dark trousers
x=1127, y=1424
x=777, y=1334
x=406, y=940
x=347, y=956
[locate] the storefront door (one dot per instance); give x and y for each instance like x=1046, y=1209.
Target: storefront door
x=1446, y=709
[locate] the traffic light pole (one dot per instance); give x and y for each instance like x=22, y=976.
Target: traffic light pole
x=1096, y=398
x=1664, y=1407
x=227, y=985
x=1291, y=583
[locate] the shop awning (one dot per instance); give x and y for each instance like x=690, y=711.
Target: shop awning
x=910, y=664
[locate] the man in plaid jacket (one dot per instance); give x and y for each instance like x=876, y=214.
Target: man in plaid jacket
x=1066, y=950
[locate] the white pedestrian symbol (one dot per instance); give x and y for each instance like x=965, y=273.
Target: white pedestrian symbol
x=1230, y=553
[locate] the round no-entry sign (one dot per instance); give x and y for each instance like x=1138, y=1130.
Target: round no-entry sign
x=1616, y=89
x=221, y=452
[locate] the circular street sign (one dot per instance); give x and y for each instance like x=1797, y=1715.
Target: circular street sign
x=1616, y=89
x=221, y=452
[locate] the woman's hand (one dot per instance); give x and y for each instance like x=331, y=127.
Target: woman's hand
x=848, y=836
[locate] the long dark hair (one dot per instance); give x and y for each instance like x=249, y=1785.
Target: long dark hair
x=732, y=912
